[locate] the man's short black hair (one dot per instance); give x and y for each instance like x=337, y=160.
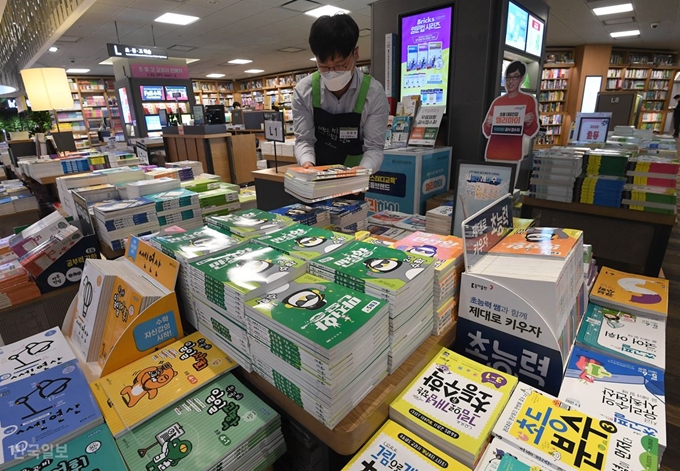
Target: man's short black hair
x=333, y=36
x=516, y=66
x=676, y=97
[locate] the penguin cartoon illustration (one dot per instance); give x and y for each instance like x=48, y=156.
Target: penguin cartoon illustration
x=423, y=250
x=248, y=222
x=299, y=210
x=254, y=266
x=309, y=299
x=310, y=241
x=391, y=268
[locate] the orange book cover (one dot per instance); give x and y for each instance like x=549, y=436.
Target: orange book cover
x=632, y=293
x=540, y=241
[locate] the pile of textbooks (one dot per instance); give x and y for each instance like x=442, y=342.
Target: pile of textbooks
x=390, y=226
x=317, y=216
x=248, y=198
x=305, y=242
x=16, y=285
x=448, y=254
x=179, y=207
x=195, y=166
x=453, y=404
x=188, y=247
x=348, y=216
x=148, y=187
x=604, y=177
x=324, y=182
x=404, y=280
x=328, y=342
x=202, y=182
x=652, y=181
x=221, y=425
x=94, y=194
x=116, y=220
x=220, y=201
x=56, y=244
x=46, y=400
x=249, y=223
x=439, y=220
x=555, y=171
x=15, y=198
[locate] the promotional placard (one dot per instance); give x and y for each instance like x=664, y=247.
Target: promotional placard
x=592, y=127
x=176, y=92
x=273, y=127
x=508, y=120
x=483, y=230
x=159, y=71
x=426, y=126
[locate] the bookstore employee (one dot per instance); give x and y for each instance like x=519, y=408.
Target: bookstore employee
x=339, y=113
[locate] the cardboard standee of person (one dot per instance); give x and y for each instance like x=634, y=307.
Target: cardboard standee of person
x=511, y=118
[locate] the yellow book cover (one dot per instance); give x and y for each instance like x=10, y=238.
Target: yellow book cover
x=112, y=420
x=456, y=400
x=636, y=294
x=124, y=305
x=394, y=448
x=542, y=241
x=149, y=385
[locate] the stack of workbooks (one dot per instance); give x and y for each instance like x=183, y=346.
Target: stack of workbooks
x=203, y=182
x=96, y=193
x=604, y=177
x=15, y=197
x=323, y=345
x=16, y=284
x=390, y=226
x=624, y=393
x=652, y=181
x=653, y=199
x=117, y=219
x=221, y=425
x=393, y=445
x=46, y=401
x=348, y=216
x=195, y=166
x=37, y=233
x=178, y=207
x=219, y=201
x=402, y=279
x=137, y=392
x=324, y=182
x=567, y=439
x=448, y=254
x=121, y=175
x=318, y=216
x=192, y=246
x=249, y=223
x=554, y=174
x=67, y=183
x=305, y=242
x=439, y=220
x=454, y=403
x=148, y=187
x=248, y=198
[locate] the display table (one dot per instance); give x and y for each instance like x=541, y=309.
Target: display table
x=24, y=218
x=366, y=418
x=269, y=188
x=623, y=239
x=282, y=159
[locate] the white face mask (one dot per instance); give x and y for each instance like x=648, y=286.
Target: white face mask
x=335, y=81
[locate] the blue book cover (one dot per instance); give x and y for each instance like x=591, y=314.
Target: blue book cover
x=48, y=408
x=626, y=394
x=342, y=207
x=303, y=214
x=94, y=450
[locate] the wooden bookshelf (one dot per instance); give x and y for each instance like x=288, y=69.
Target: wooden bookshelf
x=552, y=100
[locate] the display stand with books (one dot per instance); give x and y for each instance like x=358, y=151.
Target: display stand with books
x=518, y=313
x=132, y=333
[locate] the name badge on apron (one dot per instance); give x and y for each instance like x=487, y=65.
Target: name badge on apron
x=349, y=133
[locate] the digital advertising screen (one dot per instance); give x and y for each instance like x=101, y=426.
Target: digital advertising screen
x=175, y=92
x=125, y=105
x=425, y=55
x=516, y=28
x=152, y=93
x=153, y=123
x=535, y=36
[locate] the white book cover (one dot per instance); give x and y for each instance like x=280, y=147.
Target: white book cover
x=87, y=306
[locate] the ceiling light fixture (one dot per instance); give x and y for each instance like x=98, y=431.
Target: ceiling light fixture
x=291, y=49
x=239, y=61
x=106, y=62
x=313, y=59
x=53, y=49
x=177, y=19
x=4, y=89
x=625, y=34
x=611, y=10
x=253, y=71
x=215, y=75
x=329, y=10
x=77, y=71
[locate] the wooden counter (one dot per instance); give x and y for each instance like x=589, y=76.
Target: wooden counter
x=366, y=418
x=269, y=188
x=623, y=239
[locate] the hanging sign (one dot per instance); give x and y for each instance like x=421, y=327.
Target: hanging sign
x=148, y=52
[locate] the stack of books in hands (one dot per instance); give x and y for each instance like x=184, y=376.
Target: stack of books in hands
x=220, y=201
x=555, y=171
x=402, y=279
x=348, y=216
x=439, y=220
x=324, y=182
x=317, y=216
x=118, y=219
x=305, y=242
x=448, y=254
x=148, y=187
x=178, y=207
x=323, y=345
x=249, y=223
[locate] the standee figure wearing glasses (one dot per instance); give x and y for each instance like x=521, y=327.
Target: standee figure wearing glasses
x=510, y=117
x=339, y=113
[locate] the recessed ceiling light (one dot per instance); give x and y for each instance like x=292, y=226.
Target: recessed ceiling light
x=189, y=61
x=313, y=59
x=253, y=71
x=215, y=75
x=291, y=49
x=329, y=10
x=623, y=34
x=624, y=7
x=177, y=19
x=106, y=62
x=6, y=89
x=365, y=32
x=77, y=71
x=240, y=61
x=53, y=49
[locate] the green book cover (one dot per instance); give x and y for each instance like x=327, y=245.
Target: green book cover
x=173, y=199
x=321, y=311
x=94, y=450
x=195, y=243
x=383, y=267
x=202, y=184
x=219, y=196
x=207, y=427
x=304, y=241
x=250, y=222
x=248, y=267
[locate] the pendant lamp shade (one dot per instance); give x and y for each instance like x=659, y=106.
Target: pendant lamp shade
x=47, y=89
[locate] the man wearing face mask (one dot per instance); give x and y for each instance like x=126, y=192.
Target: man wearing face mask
x=339, y=113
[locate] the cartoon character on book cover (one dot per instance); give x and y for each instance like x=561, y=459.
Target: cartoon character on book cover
x=173, y=449
x=405, y=269
x=310, y=242
x=147, y=383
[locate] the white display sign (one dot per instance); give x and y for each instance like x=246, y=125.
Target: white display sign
x=426, y=126
x=273, y=127
x=142, y=153
x=508, y=120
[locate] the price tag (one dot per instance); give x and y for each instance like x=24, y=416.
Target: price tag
x=142, y=153
x=273, y=127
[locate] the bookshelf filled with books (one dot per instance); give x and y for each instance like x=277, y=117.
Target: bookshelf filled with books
x=552, y=103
